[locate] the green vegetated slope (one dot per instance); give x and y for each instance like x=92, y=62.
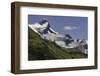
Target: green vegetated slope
x=40, y=49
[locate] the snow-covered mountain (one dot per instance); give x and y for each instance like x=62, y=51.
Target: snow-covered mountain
x=45, y=31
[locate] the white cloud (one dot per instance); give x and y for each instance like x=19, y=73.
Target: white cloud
x=70, y=27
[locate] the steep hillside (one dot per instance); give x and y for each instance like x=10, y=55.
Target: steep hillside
x=40, y=49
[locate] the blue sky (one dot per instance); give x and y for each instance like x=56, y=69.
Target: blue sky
x=77, y=27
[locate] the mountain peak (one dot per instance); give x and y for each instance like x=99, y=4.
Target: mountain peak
x=43, y=21
x=45, y=31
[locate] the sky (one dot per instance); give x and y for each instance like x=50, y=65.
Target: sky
x=77, y=27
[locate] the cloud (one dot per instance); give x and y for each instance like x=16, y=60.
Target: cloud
x=70, y=27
